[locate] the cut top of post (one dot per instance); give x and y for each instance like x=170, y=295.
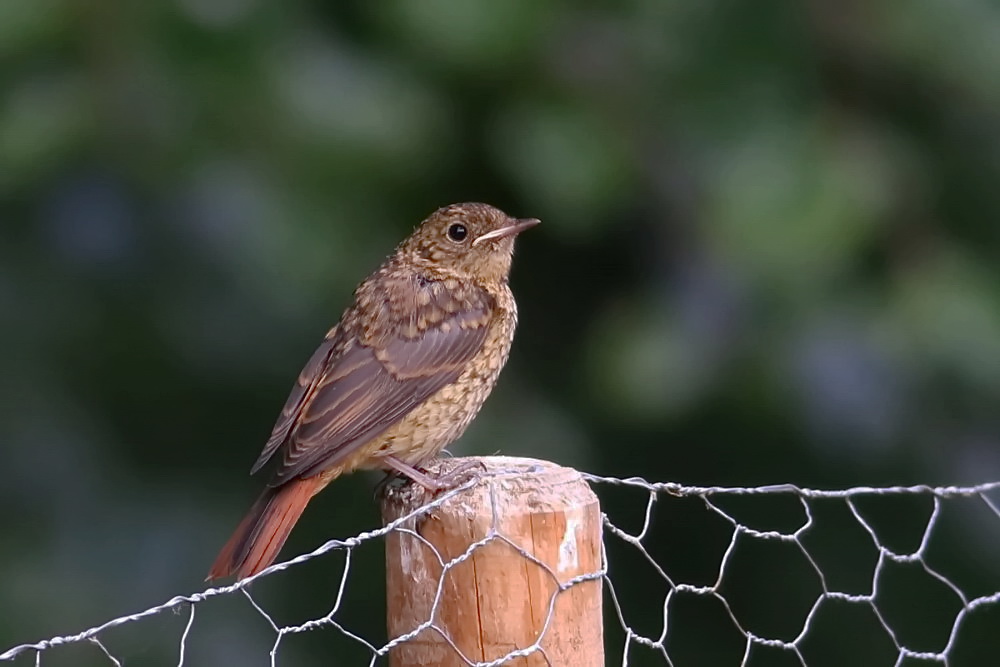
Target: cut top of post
x=511, y=565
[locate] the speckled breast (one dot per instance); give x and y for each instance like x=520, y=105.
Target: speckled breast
x=443, y=417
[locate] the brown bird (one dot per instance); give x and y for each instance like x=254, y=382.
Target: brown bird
x=397, y=379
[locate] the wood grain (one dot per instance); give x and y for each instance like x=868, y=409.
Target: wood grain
x=497, y=599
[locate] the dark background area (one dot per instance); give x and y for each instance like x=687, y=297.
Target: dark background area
x=768, y=254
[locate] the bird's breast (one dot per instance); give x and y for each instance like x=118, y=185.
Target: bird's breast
x=444, y=416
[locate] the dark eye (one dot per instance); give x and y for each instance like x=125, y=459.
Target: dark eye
x=457, y=233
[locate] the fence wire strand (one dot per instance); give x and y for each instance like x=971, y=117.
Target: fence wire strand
x=657, y=492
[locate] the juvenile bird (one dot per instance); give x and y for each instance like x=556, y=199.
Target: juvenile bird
x=397, y=379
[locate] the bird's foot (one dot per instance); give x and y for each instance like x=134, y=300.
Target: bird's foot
x=460, y=474
x=433, y=484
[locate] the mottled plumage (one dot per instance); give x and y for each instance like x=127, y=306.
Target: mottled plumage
x=400, y=376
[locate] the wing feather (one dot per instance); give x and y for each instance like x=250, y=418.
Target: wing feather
x=311, y=373
x=348, y=397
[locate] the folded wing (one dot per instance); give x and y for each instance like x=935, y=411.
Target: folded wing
x=359, y=384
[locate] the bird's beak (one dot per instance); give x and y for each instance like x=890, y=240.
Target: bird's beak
x=510, y=230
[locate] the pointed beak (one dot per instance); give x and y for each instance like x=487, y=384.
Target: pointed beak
x=510, y=230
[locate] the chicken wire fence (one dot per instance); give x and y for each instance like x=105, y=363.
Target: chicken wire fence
x=730, y=575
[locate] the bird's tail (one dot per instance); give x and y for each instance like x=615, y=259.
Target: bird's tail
x=264, y=529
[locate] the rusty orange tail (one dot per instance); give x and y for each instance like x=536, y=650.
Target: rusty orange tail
x=259, y=537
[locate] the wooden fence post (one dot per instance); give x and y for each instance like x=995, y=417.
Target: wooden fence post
x=542, y=524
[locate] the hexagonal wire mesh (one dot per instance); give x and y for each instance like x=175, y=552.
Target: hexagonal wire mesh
x=847, y=577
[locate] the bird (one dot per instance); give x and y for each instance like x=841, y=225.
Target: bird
x=396, y=380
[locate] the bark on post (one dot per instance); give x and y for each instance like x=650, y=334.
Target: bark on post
x=542, y=527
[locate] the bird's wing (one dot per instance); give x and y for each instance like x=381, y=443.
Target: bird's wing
x=308, y=378
x=420, y=341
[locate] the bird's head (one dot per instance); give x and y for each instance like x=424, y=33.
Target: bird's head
x=474, y=240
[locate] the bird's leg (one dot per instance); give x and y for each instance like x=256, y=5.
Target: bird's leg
x=432, y=484
x=418, y=476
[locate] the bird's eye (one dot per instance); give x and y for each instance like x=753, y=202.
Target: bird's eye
x=457, y=233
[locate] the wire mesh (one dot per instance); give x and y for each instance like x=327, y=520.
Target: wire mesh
x=823, y=550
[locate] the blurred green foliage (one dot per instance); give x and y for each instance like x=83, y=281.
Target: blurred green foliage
x=769, y=250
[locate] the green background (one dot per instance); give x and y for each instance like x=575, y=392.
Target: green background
x=768, y=254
